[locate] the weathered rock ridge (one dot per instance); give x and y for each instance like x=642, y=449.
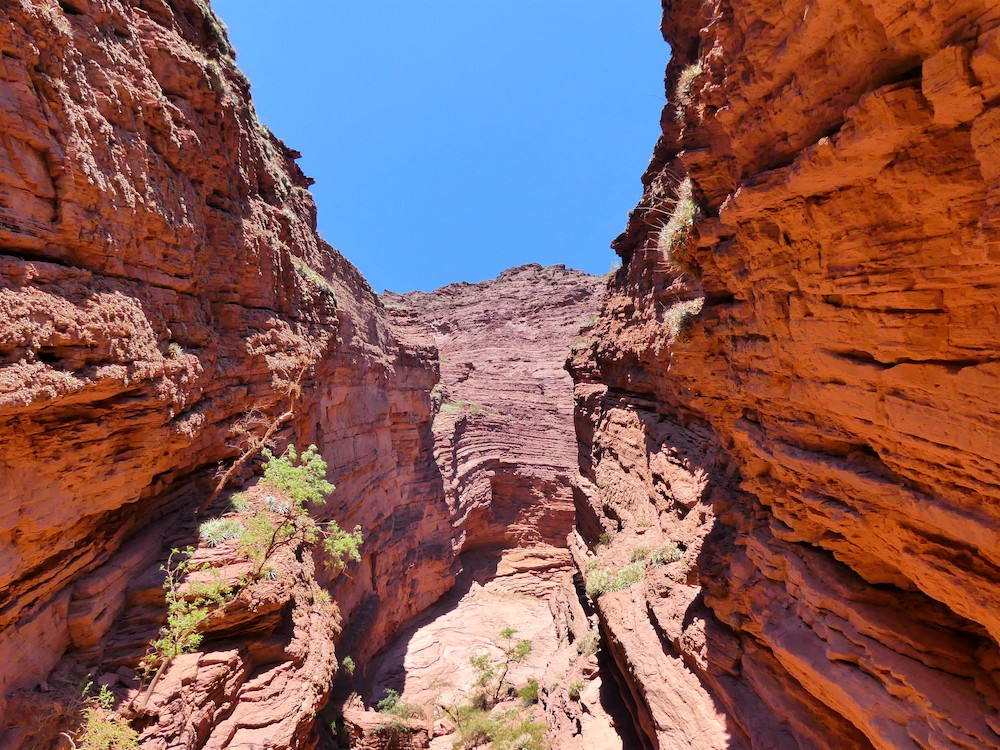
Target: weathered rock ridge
x=161, y=277
x=794, y=383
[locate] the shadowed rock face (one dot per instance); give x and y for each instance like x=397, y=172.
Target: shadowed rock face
x=801, y=395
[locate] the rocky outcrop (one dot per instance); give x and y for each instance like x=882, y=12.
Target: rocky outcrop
x=504, y=445
x=793, y=384
x=503, y=427
x=161, y=279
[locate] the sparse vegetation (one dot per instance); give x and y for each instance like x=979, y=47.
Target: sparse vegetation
x=605, y=580
x=461, y=405
x=588, y=644
x=639, y=554
x=188, y=608
x=676, y=233
x=679, y=317
x=218, y=530
x=347, y=664
x=103, y=728
x=393, y=704
x=685, y=86
x=503, y=730
x=310, y=274
x=302, y=480
x=575, y=689
x=260, y=533
x=664, y=554
x=491, y=673
x=395, y=727
x=529, y=692
x=482, y=721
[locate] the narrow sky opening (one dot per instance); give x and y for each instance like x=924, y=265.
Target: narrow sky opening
x=451, y=139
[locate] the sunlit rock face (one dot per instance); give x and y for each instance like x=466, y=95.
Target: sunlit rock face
x=507, y=455
x=794, y=383
x=160, y=276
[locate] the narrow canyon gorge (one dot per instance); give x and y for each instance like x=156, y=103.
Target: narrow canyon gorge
x=742, y=492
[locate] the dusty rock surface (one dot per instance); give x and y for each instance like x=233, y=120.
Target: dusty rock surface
x=799, y=392
x=160, y=276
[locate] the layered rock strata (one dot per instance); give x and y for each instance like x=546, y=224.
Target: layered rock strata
x=505, y=447
x=793, y=385
x=160, y=280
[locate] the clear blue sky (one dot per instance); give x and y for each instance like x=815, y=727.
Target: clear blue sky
x=451, y=139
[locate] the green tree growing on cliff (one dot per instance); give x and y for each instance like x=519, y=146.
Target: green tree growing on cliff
x=283, y=521
x=300, y=481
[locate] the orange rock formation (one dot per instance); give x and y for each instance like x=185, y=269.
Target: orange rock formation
x=794, y=382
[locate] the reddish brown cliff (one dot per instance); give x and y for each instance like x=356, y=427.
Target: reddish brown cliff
x=794, y=384
x=506, y=452
x=161, y=275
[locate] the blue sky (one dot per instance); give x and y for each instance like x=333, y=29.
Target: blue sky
x=451, y=139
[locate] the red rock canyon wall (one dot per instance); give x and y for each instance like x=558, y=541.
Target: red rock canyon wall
x=800, y=393
x=160, y=272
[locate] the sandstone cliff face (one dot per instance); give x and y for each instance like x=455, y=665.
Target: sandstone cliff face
x=505, y=449
x=159, y=275
x=800, y=392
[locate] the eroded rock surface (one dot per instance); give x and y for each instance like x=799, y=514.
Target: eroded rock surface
x=160, y=277
x=505, y=448
x=799, y=393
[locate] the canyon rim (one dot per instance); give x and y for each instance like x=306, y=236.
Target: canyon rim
x=742, y=493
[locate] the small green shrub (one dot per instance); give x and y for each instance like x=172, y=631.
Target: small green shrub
x=310, y=274
x=102, y=728
x=218, y=530
x=347, y=664
x=588, y=644
x=506, y=730
x=529, y=692
x=575, y=689
x=606, y=580
x=665, y=554
x=491, y=674
x=461, y=405
x=392, y=704
x=393, y=731
x=639, y=554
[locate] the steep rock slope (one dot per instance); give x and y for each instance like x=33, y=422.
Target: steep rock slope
x=505, y=447
x=504, y=424
x=794, y=384
x=161, y=277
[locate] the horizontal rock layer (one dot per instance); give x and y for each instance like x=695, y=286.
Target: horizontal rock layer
x=801, y=393
x=161, y=278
